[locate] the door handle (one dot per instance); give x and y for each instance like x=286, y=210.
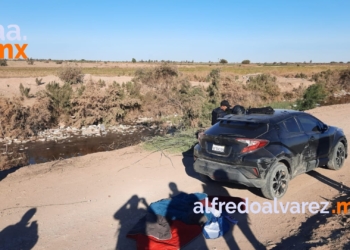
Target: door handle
x=312, y=138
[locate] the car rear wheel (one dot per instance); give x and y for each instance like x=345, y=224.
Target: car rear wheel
x=276, y=182
x=337, y=158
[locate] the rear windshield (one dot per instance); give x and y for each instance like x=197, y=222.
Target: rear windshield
x=238, y=128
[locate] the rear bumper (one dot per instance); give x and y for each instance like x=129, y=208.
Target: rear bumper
x=227, y=173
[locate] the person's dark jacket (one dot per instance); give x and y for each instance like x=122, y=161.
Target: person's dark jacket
x=217, y=113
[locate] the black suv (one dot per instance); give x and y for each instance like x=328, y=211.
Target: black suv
x=267, y=150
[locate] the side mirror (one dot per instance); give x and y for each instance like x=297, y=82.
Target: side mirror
x=324, y=127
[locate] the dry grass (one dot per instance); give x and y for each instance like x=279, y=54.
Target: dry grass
x=8, y=72
x=203, y=70
x=18, y=121
x=195, y=72
x=12, y=159
x=161, y=92
x=175, y=143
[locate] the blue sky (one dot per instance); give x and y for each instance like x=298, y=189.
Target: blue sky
x=261, y=31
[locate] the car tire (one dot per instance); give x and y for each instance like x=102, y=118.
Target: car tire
x=337, y=158
x=276, y=182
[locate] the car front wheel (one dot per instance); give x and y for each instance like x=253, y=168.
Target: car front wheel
x=337, y=158
x=276, y=182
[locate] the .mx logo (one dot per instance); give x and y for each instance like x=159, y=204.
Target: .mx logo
x=12, y=33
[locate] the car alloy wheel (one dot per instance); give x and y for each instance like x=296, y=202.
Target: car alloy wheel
x=337, y=158
x=276, y=182
x=340, y=156
x=279, y=183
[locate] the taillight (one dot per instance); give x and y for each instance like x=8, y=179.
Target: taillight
x=252, y=144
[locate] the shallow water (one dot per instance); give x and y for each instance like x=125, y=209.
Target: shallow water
x=44, y=151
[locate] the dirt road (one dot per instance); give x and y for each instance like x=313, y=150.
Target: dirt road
x=90, y=202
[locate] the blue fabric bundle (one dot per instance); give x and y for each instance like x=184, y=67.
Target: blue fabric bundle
x=179, y=207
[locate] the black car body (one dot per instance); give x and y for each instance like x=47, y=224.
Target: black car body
x=267, y=150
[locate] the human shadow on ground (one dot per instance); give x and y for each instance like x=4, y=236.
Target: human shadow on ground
x=141, y=222
x=303, y=238
x=187, y=161
x=22, y=235
x=213, y=189
x=128, y=215
x=189, y=236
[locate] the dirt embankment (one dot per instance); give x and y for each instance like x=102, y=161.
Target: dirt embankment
x=9, y=87
x=91, y=202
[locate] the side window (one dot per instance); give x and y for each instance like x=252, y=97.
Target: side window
x=309, y=123
x=291, y=125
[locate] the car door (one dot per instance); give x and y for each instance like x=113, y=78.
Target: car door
x=296, y=141
x=312, y=128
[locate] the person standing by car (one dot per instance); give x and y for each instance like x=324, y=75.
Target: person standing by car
x=220, y=112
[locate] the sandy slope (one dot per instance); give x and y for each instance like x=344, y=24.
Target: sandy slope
x=80, y=202
x=10, y=86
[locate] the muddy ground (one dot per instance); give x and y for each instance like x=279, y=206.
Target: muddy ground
x=91, y=202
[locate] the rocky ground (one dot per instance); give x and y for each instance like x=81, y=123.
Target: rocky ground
x=67, y=132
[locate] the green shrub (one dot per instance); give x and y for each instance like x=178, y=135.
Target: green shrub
x=344, y=79
x=246, y=62
x=101, y=83
x=91, y=105
x=214, y=87
x=133, y=88
x=24, y=91
x=39, y=81
x=301, y=75
x=313, y=95
x=60, y=97
x=71, y=75
x=323, y=76
x=3, y=62
x=160, y=78
x=133, y=60
x=192, y=103
x=265, y=85
x=170, y=93
x=80, y=90
x=30, y=61
x=223, y=61
x=59, y=62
